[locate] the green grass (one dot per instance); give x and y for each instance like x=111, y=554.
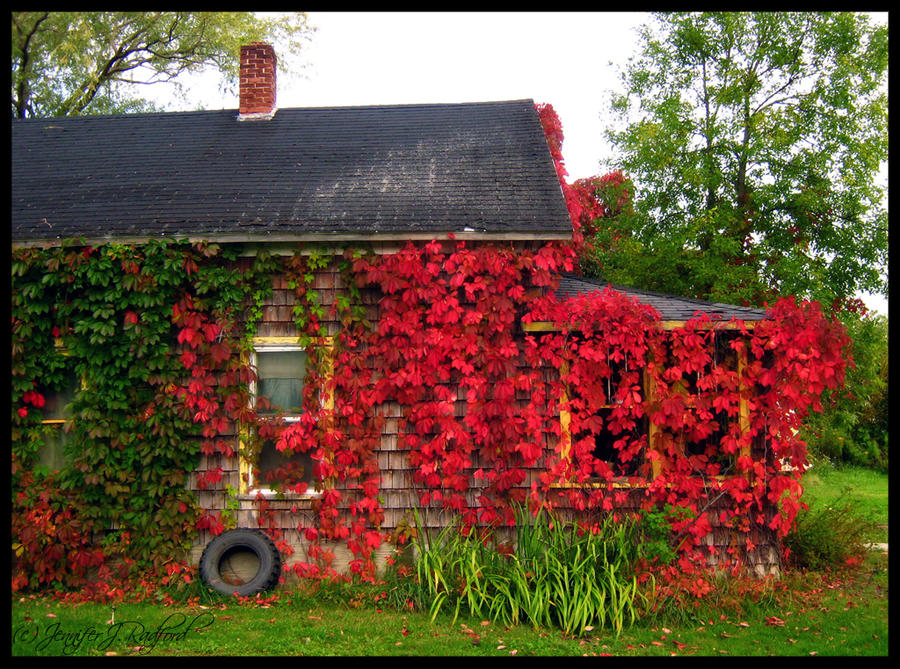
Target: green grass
x=824, y=484
x=821, y=615
x=815, y=613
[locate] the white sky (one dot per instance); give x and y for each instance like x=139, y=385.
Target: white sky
x=568, y=59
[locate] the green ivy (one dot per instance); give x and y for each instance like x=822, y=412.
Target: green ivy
x=104, y=316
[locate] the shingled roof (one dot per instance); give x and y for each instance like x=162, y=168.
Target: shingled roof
x=386, y=172
x=670, y=308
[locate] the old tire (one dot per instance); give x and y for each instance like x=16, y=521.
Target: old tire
x=241, y=562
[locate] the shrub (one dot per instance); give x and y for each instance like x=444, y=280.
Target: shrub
x=828, y=534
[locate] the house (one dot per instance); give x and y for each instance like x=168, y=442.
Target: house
x=320, y=190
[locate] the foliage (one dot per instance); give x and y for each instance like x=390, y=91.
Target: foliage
x=447, y=333
x=137, y=424
x=755, y=141
x=74, y=63
x=854, y=429
x=828, y=535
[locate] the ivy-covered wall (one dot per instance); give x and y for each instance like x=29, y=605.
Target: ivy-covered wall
x=444, y=377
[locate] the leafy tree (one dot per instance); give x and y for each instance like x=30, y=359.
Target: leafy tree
x=854, y=429
x=73, y=63
x=754, y=141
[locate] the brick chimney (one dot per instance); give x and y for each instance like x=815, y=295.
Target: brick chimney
x=257, y=81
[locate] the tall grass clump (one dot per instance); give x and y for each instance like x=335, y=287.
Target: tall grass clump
x=553, y=575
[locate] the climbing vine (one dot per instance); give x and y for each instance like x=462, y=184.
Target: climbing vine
x=142, y=336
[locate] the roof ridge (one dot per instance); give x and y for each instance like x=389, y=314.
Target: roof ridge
x=235, y=111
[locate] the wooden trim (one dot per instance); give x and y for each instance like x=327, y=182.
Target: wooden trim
x=539, y=326
x=652, y=428
x=547, y=326
x=743, y=402
x=565, y=418
x=597, y=484
x=713, y=325
x=309, y=237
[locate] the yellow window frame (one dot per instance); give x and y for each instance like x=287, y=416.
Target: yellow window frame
x=60, y=423
x=245, y=464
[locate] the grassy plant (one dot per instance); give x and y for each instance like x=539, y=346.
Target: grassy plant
x=560, y=575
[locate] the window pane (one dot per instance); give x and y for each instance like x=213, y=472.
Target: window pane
x=281, y=378
x=274, y=467
x=51, y=452
x=56, y=402
x=604, y=445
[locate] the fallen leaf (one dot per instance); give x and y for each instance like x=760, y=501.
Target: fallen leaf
x=666, y=630
x=513, y=652
x=51, y=615
x=485, y=622
x=744, y=624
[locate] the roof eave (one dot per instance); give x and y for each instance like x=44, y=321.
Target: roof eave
x=307, y=238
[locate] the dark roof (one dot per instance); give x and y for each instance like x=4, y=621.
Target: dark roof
x=670, y=308
x=403, y=171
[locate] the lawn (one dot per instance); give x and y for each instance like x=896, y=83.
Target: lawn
x=823, y=484
x=843, y=612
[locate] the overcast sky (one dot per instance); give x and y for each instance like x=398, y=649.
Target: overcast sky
x=568, y=59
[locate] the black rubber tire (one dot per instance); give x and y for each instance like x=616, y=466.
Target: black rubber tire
x=214, y=563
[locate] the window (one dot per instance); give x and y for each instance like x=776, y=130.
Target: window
x=611, y=430
x=51, y=455
x=281, y=370
x=600, y=381
x=721, y=373
x=618, y=438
